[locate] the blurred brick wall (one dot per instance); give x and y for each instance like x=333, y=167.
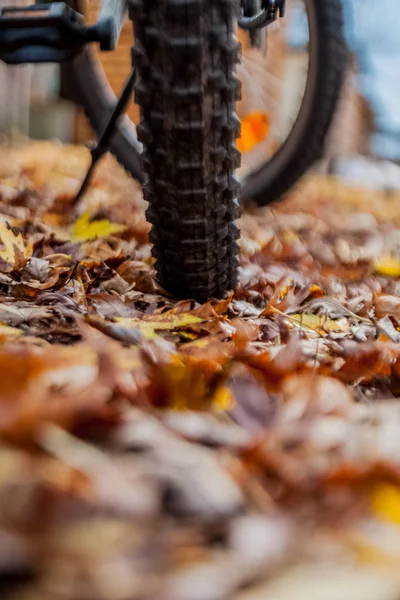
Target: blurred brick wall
x=353, y=123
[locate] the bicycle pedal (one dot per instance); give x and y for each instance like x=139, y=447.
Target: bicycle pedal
x=43, y=33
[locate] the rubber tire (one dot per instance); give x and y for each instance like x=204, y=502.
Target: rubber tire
x=305, y=144
x=184, y=55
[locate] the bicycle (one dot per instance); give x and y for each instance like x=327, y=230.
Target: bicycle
x=184, y=81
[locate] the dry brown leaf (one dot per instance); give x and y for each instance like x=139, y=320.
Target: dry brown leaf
x=387, y=305
x=321, y=325
x=15, y=253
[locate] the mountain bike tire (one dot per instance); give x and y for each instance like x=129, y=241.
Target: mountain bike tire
x=184, y=56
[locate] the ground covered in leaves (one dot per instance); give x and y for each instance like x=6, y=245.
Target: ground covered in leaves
x=152, y=449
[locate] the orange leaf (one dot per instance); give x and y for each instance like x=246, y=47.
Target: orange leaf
x=254, y=129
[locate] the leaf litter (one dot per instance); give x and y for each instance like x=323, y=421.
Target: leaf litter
x=159, y=449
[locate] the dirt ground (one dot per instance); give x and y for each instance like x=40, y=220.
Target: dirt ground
x=246, y=448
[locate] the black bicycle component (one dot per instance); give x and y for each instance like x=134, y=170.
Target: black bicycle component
x=54, y=32
x=105, y=140
x=271, y=9
x=282, y=8
x=256, y=36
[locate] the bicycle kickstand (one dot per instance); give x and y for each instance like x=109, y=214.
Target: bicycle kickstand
x=105, y=140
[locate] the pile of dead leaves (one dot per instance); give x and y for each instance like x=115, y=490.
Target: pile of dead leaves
x=242, y=448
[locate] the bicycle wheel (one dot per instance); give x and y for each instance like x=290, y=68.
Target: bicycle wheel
x=274, y=171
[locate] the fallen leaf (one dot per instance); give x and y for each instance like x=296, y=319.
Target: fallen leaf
x=15, y=253
x=84, y=229
x=289, y=359
x=365, y=363
x=7, y=332
x=322, y=325
x=223, y=399
x=37, y=269
x=14, y=314
x=254, y=129
x=110, y=306
x=169, y=321
x=307, y=394
x=388, y=266
x=385, y=502
x=372, y=554
x=387, y=305
x=254, y=409
x=389, y=332
x=329, y=307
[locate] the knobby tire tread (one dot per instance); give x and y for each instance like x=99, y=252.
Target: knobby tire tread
x=184, y=55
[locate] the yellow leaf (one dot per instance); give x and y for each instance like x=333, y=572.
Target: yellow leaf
x=14, y=247
x=371, y=553
x=7, y=332
x=168, y=321
x=285, y=290
x=249, y=245
x=388, y=266
x=254, y=129
x=189, y=335
x=84, y=229
x=223, y=398
x=290, y=237
x=385, y=501
x=321, y=325
x=316, y=291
